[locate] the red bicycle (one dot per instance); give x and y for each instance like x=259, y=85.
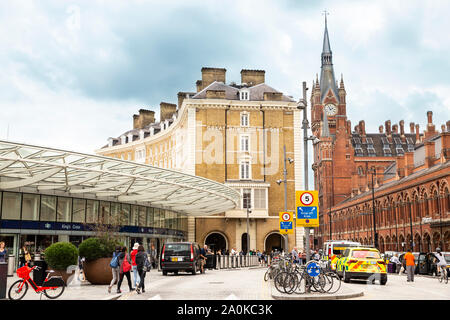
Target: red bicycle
x=52, y=287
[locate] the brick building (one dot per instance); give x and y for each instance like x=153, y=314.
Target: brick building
x=234, y=134
x=345, y=158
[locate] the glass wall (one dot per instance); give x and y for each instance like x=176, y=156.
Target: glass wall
x=35, y=207
x=64, y=209
x=11, y=205
x=30, y=207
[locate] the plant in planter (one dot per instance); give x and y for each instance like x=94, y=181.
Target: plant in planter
x=63, y=258
x=98, y=251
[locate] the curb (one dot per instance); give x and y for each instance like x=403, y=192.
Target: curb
x=319, y=297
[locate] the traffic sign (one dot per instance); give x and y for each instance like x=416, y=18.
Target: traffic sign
x=313, y=269
x=307, y=203
x=286, y=222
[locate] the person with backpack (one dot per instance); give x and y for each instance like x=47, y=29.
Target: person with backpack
x=114, y=264
x=124, y=269
x=143, y=265
x=133, y=264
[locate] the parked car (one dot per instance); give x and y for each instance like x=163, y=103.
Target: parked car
x=180, y=256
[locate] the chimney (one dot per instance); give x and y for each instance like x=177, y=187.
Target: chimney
x=181, y=96
x=448, y=126
x=429, y=153
x=430, y=117
x=209, y=75
x=400, y=166
x=144, y=118
x=409, y=163
x=430, y=126
x=388, y=127
x=380, y=129
x=402, y=128
x=356, y=129
x=252, y=77
x=411, y=127
x=166, y=110
x=417, y=134
x=395, y=128
x=362, y=128
x=443, y=128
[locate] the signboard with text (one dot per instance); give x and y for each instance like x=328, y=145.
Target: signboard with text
x=286, y=222
x=307, y=204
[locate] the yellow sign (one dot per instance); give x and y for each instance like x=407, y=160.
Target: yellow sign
x=307, y=203
x=286, y=222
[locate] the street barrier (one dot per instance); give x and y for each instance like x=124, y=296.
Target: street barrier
x=234, y=262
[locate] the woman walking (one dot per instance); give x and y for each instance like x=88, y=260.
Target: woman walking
x=124, y=269
x=115, y=267
x=142, y=264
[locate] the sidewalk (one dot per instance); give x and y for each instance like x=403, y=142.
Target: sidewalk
x=345, y=292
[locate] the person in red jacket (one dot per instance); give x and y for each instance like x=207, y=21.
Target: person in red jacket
x=133, y=253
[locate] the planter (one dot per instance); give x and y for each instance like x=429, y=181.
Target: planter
x=98, y=271
x=67, y=277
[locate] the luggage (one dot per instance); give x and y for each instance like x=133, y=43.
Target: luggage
x=391, y=267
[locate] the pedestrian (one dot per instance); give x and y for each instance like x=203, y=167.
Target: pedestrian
x=303, y=256
x=3, y=252
x=441, y=263
x=203, y=257
x=133, y=264
x=295, y=255
x=410, y=265
x=233, y=252
x=115, y=267
x=80, y=268
x=153, y=256
x=142, y=263
x=124, y=269
x=316, y=256
x=398, y=265
x=22, y=255
x=259, y=255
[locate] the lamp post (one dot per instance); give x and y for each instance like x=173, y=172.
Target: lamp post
x=285, y=190
x=302, y=105
x=410, y=226
x=248, y=234
x=375, y=236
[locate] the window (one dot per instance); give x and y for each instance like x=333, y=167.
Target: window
x=104, y=212
x=142, y=216
x=126, y=213
x=149, y=217
x=245, y=170
x=48, y=208
x=246, y=198
x=244, y=95
x=139, y=155
x=30, y=207
x=134, y=216
x=260, y=198
x=386, y=148
x=11, y=205
x=79, y=210
x=244, y=120
x=92, y=211
x=245, y=143
x=64, y=209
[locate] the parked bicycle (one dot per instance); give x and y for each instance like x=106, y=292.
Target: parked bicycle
x=52, y=287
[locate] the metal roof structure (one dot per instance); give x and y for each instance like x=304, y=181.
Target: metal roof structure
x=47, y=169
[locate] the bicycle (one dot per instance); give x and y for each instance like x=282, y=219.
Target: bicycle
x=443, y=277
x=52, y=287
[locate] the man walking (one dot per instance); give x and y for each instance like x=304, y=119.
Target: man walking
x=410, y=265
x=295, y=255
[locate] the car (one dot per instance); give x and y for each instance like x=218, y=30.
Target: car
x=362, y=263
x=180, y=256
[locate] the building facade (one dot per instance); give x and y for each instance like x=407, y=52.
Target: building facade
x=346, y=160
x=234, y=134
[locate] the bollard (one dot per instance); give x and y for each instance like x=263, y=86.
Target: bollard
x=11, y=265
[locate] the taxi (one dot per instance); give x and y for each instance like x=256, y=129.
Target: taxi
x=362, y=263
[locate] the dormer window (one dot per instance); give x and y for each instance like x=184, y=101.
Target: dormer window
x=141, y=134
x=244, y=95
x=123, y=139
x=130, y=137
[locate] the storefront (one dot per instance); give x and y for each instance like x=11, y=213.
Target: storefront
x=49, y=195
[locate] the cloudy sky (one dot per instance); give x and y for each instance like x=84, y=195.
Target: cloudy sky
x=73, y=73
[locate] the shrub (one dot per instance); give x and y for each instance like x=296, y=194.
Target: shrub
x=60, y=255
x=96, y=248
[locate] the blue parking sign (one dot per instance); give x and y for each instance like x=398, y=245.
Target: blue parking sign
x=306, y=212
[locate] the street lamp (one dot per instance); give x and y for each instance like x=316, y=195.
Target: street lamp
x=375, y=235
x=279, y=181
x=248, y=234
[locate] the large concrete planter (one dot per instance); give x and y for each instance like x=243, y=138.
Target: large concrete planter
x=98, y=271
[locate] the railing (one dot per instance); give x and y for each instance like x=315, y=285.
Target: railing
x=233, y=262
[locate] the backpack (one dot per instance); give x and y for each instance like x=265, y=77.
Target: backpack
x=126, y=266
x=114, y=261
x=147, y=264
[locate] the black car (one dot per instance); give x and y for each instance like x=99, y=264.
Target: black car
x=180, y=256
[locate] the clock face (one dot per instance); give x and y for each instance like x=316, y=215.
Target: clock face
x=331, y=109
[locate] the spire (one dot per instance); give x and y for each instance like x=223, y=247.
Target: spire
x=327, y=79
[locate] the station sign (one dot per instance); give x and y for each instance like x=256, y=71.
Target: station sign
x=286, y=222
x=307, y=204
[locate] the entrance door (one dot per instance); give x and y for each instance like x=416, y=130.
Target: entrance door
x=275, y=241
x=216, y=242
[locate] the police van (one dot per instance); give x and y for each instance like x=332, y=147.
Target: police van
x=332, y=251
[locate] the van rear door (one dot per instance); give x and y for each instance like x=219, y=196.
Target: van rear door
x=177, y=252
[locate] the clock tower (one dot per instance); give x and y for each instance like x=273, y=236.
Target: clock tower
x=329, y=123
